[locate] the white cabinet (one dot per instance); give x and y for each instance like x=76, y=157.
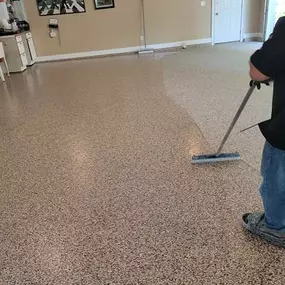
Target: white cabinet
x=30, y=48
x=21, y=47
x=24, y=59
x=15, y=52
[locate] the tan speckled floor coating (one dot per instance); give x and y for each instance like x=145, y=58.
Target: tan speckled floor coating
x=96, y=181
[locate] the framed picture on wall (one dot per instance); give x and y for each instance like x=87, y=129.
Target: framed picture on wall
x=104, y=4
x=60, y=7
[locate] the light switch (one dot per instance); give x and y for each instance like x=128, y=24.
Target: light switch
x=203, y=3
x=53, y=22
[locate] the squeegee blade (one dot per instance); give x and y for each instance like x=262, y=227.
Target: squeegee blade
x=213, y=158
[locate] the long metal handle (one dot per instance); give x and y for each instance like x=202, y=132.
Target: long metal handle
x=242, y=106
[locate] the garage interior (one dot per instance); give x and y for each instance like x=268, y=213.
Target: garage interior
x=96, y=181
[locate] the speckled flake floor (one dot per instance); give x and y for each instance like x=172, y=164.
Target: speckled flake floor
x=96, y=181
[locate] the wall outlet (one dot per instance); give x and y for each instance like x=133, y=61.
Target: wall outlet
x=142, y=38
x=203, y=3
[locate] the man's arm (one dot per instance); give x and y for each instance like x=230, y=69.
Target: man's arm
x=269, y=61
x=255, y=74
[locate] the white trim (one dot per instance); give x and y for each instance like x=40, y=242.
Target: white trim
x=213, y=21
x=252, y=35
x=265, y=19
x=179, y=44
x=86, y=54
x=120, y=50
x=241, y=39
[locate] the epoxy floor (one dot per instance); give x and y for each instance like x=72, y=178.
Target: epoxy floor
x=96, y=181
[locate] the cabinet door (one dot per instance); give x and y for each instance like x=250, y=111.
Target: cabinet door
x=2, y=54
x=32, y=49
x=21, y=47
x=24, y=59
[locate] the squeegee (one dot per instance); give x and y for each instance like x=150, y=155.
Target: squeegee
x=219, y=156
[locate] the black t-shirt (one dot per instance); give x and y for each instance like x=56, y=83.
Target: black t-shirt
x=270, y=60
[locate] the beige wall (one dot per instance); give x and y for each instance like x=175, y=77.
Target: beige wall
x=252, y=10
x=121, y=27
x=262, y=15
x=93, y=30
x=186, y=20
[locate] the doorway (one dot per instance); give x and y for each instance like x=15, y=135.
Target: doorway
x=274, y=9
x=227, y=21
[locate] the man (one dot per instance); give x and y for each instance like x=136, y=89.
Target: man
x=266, y=64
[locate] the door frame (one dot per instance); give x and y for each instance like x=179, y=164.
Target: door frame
x=213, y=22
x=265, y=19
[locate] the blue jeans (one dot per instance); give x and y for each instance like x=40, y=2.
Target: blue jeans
x=272, y=189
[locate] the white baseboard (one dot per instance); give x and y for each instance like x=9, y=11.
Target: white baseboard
x=120, y=50
x=86, y=54
x=252, y=36
x=179, y=44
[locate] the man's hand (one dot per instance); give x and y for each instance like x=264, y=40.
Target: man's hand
x=259, y=83
x=256, y=75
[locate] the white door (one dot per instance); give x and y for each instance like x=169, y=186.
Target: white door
x=270, y=17
x=227, y=20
